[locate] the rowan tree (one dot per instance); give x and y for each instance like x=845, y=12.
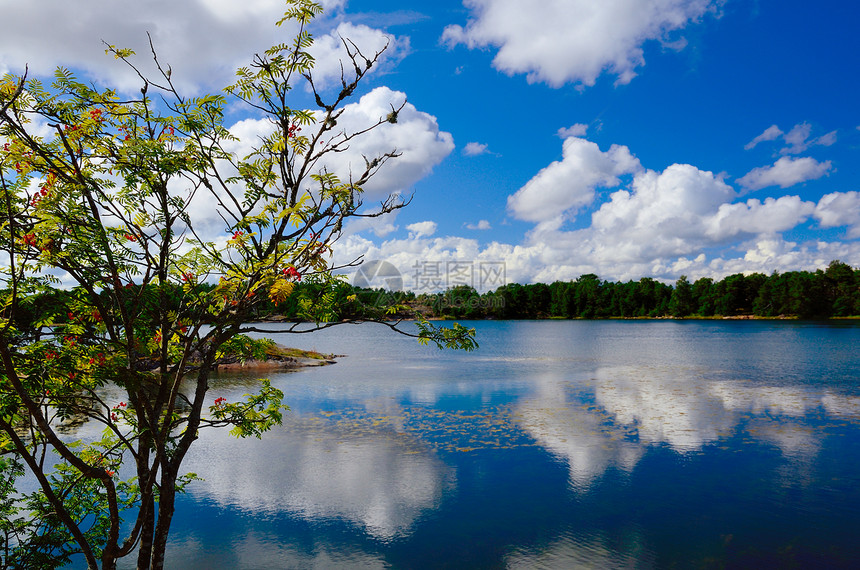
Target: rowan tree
x=107, y=201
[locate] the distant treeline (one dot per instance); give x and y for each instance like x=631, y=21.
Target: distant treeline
x=833, y=292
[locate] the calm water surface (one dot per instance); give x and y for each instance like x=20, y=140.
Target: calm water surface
x=557, y=444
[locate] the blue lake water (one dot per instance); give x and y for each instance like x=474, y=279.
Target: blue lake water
x=557, y=444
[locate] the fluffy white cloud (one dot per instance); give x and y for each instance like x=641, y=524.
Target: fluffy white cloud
x=663, y=215
x=560, y=256
x=420, y=255
x=329, y=51
x=481, y=225
x=576, y=130
x=475, y=149
x=678, y=197
x=415, y=135
x=653, y=228
x=662, y=224
x=827, y=139
x=840, y=209
x=422, y=229
x=570, y=183
x=755, y=217
x=203, y=41
x=380, y=227
x=573, y=40
x=785, y=172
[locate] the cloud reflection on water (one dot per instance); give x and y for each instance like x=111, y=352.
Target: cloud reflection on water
x=372, y=440
x=376, y=479
x=253, y=550
x=375, y=461
x=610, y=421
x=583, y=552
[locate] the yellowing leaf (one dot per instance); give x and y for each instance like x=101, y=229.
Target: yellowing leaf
x=280, y=290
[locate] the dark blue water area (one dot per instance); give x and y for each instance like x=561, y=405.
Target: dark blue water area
x=517, y=510
x=555, y=445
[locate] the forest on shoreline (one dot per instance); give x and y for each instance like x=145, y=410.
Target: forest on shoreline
x=833, y=292
x=830, y=293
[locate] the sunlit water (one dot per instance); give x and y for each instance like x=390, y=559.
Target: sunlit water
x=557, y=444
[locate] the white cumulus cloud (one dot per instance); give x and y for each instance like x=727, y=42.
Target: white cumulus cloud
x=422, y=229
x=573, y=41
x=203, y=41
x=756, y=217
x=415, y=136
x=840, y=209
x=577, y=130
x=329, y=51
x=659, y=223
x=785, y=172
x=570, y=183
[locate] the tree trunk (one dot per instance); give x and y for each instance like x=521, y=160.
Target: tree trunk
x=166, y=508
x=147, y=503
x=144, y=552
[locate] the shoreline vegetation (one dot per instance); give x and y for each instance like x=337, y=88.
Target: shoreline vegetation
x=831, y=293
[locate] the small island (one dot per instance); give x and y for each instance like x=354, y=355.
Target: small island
x=276, y=357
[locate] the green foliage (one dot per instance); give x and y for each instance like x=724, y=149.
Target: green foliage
x=257, y=414
x=243, y=348
x=15, y=527
x=834, y=292
x=681, y=302
x=457, y=336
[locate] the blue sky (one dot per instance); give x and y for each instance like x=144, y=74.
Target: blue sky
x=626, y=138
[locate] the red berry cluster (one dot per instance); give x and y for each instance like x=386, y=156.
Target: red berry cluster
x=44, y=189
x=120, y=406
x=100, y=358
